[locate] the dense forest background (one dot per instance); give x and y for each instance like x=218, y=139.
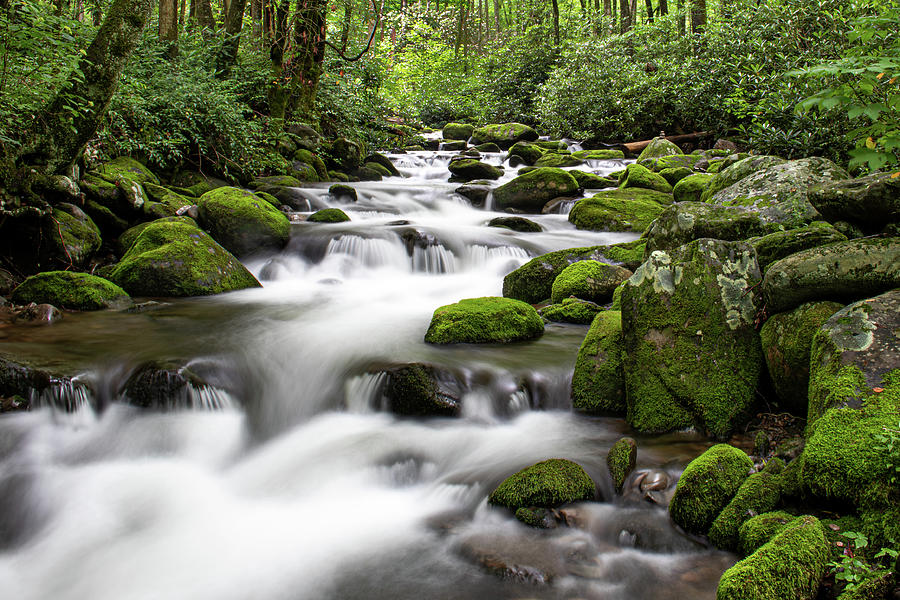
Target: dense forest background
x=211, y=85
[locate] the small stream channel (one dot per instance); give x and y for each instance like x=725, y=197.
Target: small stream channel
x=286, y=480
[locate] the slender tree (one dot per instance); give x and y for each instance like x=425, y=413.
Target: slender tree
x=168, y=26
x=698, y=16
x=227, y=55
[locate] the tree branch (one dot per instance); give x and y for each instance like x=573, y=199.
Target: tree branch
x=368, y=44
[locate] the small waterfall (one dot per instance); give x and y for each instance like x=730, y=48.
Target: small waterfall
x=434, y=259
x=370, y=252
x=363, y=393
x=67, y=395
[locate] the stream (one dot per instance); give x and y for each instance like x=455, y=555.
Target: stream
x=285, y=479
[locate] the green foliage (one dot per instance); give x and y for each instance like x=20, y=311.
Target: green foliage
x=865, y=84
x=889, y=443
x=852, y=567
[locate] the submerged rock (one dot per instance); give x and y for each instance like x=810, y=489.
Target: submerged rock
x=692, y=352
x=328, y=215
x=416, y=390
x=520, y=224
x=707, y=485
x=547, y=484
x=76, y=291
x=598, y=381
x=484, y=320
x=340, y=190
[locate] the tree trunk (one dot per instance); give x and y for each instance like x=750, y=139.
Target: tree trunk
x=698, y=16
x=555, y=6
x=168, y=26
x=309, y=52
x=625, y=15
x=663, y=7
x=497, y=11
x=227, y=55
x=649, y=10
x=345, y=26
x=61, y=133
x=256, y=12
x=204, y=14
x=278, y=91
x=680, y=8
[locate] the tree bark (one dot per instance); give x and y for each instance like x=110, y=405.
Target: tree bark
x=168, y=26
x=698, y=16
x=227, y=55
x=680, y=17
x=555, y=6
x=61, y=133
x=649, y=10
x=497, y=11
x=625, y=15
x=663, y=7
x=204, y=14
x=345, y=26
x=309, y=52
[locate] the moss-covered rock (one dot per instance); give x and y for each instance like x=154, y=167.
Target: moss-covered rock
x=504, y=135
x=110, y=224
x=758, y=530
x=531, y=191
x=469, y=169
x=780, y=194
x=637, y=176
x=375, y=168
x=558, y=160
x=484, y=320
x=457, y=131
x=306, y=156
x=241, y=222
x=547, y=484
x=69, y=234
x=872, y=201
x=590, y=181
x=599, y=154
x=786, y=339
x=177, y=259
x=759, y=493
x=571, y=310
x=842, y=271
x=691, y=188
x=675, y=174
x=124, y=166
x=131, y=234
x=631, y=209
x=519, y=224
x=163, y=202
x=707, y=485
x=671, y=161
x=657, y=148
x=76, y=291
x=328, y=215
x=529, y=153
x=692, y=352
x=274, y=180
x=489, y=147
x=598, y=382
x=684, y=222
x=413, y=390
x=621, y=460
x=380, y=159
x=589, y=280
x=345, y=155
x=780, y=244
x=739, y=169
x=791, y=565
x=533, y=281
x=343, y=191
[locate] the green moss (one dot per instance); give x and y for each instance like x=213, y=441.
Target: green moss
x=534, y=516
x=177, y=259
x=715, y=166
x=468, y=169
x=842, y=461
x=707, y=485
x=617, y=296
x=757, y=530
x=598, y=385
x=304, y=155
x=672, y=161
x=275, y=180
x=504, y=135
x=412, y=390
x=759, y=493
x=590, y=181
x=457, y=131
x=882, y=526
x=690, y=188
x=546, y=484
x=484, y=320
x=554, y=159
x=621, y=460
x=275, y=202
x=129, y=235
x=631, y=209
x=519, y=224
x=786, y=342
x=738, y=170
x=637, y=176
x=65, y=289
x=534, y=189
x=533, y=281
x=164, y=202
x=791, y=565
x=488, y=147
x=874, y=585
x=659, y=147
x=674, y=175
x=340, y=190
x=589, y=280
x=571, y=310
x=129, y=168
x=242, y=222
x=601, y=154
x=775, y=246
x=528, y=152
x=328, y=215
x=306, y=172
x=684, y=222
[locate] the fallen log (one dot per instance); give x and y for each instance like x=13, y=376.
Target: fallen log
x=635, y=147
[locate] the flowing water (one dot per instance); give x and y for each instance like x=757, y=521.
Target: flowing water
x=284, y=478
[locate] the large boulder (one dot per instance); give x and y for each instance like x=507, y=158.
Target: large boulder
x=843, y=271
x=684, y=222
x=691, y=188
x=775, y=246
x=504, y=135
x=571, y=310
x=131, y=234
x=547, y=484
x=242, y=222
x=637, y=176
x=671, y=161
x=631, y=209
x=457, y=131
x=588, y=280
x=760, y=529
x=346, y=155
x=555, y=159
x=780, y=193
x=70, y=235
x=692, y=352
x=469, y=169
x=598, y=382
x=484, y=320
x=66, y=289
x=176, y=259
x=759, y=493
x=377, y=159
x=533, y=281
x=657, y=148
x=531, y=191
x=127, y=167
x=738, y=170
x=872, y=201
x=791, y=565
x=415, y=390
x=528, y=152
x=163, y=202
x=786, y=341
x=707, y=485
